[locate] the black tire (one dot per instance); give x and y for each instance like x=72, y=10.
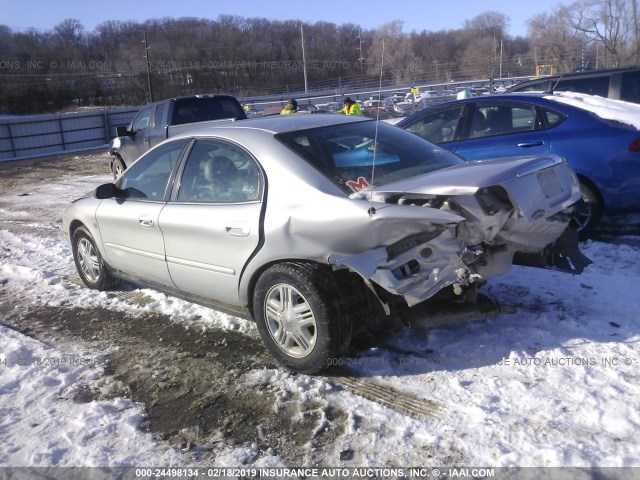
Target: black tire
x=587, y=211
x=297, y=308
x=117, y=167
x=89, y=262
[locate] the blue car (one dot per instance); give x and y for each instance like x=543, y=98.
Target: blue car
x=605, y=153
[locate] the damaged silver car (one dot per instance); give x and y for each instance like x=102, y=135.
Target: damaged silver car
x=310, y=225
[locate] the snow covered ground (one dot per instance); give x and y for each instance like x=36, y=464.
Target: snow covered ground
x=555, y=384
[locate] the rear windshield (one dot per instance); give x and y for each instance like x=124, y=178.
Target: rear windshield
x=201, y=109
x=346, y=153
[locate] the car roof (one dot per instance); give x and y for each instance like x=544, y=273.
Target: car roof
x=280, y=123
x=589, y=106
x=581, y=74
x=507, y=97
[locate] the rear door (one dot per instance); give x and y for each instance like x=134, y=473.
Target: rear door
x=212, y=225
x=502, y=129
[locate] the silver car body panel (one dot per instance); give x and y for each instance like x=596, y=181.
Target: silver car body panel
x=207, y=246
x=131, y=240
x=537, y=189
x=391, y=236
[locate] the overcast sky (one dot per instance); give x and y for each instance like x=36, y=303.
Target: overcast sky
x=417, y=15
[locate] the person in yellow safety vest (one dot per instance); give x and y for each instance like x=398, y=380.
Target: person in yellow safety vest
x=290, y=107
x=350, y=108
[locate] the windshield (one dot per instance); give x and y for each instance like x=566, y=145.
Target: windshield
x=345, y=154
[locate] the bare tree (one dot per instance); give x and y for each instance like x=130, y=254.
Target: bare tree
x=399, y=60
x=491, y=24
x=609, y=22
x=555, y=41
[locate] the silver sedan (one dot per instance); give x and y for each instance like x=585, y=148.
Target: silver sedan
x=313, y=224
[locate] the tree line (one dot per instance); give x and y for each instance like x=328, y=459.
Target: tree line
x=129, y=63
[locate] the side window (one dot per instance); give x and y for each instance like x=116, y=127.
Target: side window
x=592, y=86
x=439, y=126
x=157, y=121
x=553, y=118
x=143, y=119
x=630, y=88
x=531, y=87
x=491, y=120
x=148, y=177
x=219, y=172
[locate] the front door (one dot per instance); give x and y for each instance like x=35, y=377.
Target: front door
x=137, y=144
x=129, y=224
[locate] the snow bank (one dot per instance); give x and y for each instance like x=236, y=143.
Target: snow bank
x=41, y=425
x=617, y=110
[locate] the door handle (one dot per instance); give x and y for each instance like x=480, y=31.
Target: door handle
x=237, y=230
x=530, y=144
x=146, y=221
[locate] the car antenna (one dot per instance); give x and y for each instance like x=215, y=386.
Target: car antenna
x=372, y=210
x=553, y=87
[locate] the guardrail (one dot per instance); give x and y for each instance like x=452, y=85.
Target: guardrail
x=38, y=135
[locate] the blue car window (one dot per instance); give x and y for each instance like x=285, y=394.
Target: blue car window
x=437, y=127
x=489, y=120
x=553, y=118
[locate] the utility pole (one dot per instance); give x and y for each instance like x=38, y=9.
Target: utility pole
x=501, y=50
x=146, y=56
x=304, y=61
x=360, y=57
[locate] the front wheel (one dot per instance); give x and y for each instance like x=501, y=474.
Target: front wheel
x=586, y=211
x=296, y=313
x=117, y=167
x=89, y=262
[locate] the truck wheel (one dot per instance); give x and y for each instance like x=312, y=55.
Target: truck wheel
x=298, y=317
x=117, y=167
x=89, y=262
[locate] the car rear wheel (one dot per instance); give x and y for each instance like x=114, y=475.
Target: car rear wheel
x=587, y=211
x=118, y=167
x=296, y=308
x=89, y=262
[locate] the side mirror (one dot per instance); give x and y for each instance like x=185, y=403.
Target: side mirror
x=123, y=132
x=108, y=190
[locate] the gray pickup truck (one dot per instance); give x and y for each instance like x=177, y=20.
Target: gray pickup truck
x=168, y=118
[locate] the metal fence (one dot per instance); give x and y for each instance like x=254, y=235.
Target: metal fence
x=36, y=135
x=39, y=135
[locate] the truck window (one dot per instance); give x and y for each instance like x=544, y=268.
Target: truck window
x=143, y=119
x=157, y=121
x=591, y=86
x=202, y=109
